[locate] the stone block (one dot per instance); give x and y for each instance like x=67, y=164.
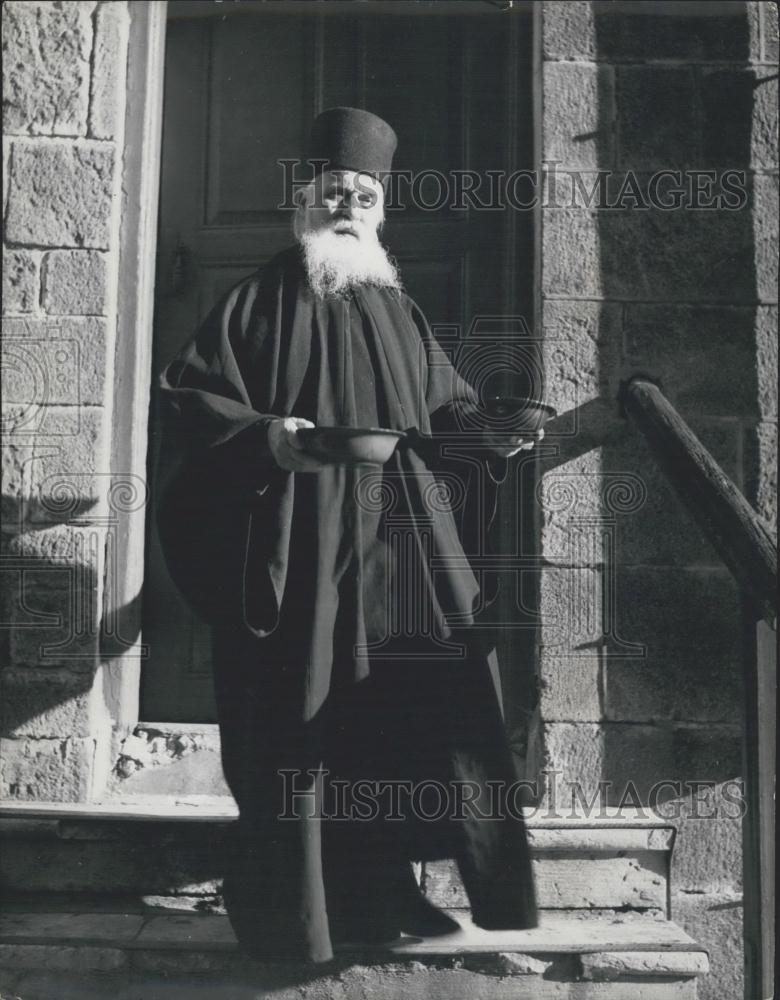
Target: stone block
x=655, y=255
x=625, y=35
x=714, y=920
x=46, y=704
x=739, y=118
x=573, y=762
x=613, y=502
x=595, y=881
x=62, y=958
x=609, y=966
x=580, y=351
x=60, y=194
x=761, y=471
x=54, y=361
x=63, y=481
x=21, y=270
x=575, y=30
x=688, y=775
x=704, y=356
x=74, y=283
x=46, y=54
x=578, y=115
x=683, y=627
x=55, y=620
x=570, y=602
x=140, y=863
x=568, y=31
x=765, y=215
x=769, y=32
x=570, y=688
x=766, y=357
x=656, y=114
x=56, y=770
x=108, y=75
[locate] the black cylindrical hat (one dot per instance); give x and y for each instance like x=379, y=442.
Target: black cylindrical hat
x=352, y=139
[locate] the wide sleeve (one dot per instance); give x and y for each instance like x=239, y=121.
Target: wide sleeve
x=215, y=471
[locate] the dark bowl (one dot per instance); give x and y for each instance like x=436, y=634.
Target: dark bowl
x=350, y=445
x=519, y=413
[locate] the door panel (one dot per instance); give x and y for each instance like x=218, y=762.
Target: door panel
x=241, y=91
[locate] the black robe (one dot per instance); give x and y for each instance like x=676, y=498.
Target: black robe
x=345, y=607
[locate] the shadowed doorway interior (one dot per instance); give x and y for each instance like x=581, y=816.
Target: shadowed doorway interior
x=242, y=87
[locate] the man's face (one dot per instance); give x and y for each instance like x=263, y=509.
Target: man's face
x=346, y=203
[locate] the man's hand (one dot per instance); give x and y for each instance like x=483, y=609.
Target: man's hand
x=506, y=445
x=287, y=450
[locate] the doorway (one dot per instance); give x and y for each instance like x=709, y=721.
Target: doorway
x=242, y=86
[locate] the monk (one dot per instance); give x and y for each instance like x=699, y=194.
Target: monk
x=347, y=653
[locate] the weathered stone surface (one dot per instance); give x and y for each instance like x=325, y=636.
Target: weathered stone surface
x=60, y=546
x=704, y=356
x=46, y=703
x=715, y=921
x=766, y=358
x=652, y=135
x=143, y=864
x=570, y=602
x=761, y=471
x=198, y=772
x=580, y=352
x=606, y=966
x=97, y=927
x=68, y=959
x=53, y=361
x=612, y=501
x=46, y=50
x=60, y=194
x=688, y=622
x=656, y=768
x=64, y=480
x=765, y=214
x=521, y=965
x=708, y=852
x=74, y=283
x=55, y=620
x=575, y=30
x=108, y=75
x=568, y=31
x=20, y=280
x=599, y=880
x=656, y=255
x=578, y=115
x=570, y=688
x=769, y=31
x=57, y=770
x=739, y=118
x=573, y=752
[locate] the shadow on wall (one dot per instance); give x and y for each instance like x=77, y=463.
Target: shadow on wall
x=59, y=570
x=685, y=282
x=653, y=626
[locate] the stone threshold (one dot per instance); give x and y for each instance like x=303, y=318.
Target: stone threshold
x=210, y=808
x=637, y=945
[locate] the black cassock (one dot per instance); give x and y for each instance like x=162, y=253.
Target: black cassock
x=347, y=641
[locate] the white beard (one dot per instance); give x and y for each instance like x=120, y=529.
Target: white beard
x=335, y=264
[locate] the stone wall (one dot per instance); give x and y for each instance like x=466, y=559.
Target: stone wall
x=640, y=653
x=63, y=120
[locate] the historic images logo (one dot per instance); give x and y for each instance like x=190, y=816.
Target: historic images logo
x=316, y=793
x=553, y=186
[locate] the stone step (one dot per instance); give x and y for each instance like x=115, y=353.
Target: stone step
x=169, y=850
x=129, y=956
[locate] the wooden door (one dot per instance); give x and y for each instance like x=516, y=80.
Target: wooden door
x=241, y=91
